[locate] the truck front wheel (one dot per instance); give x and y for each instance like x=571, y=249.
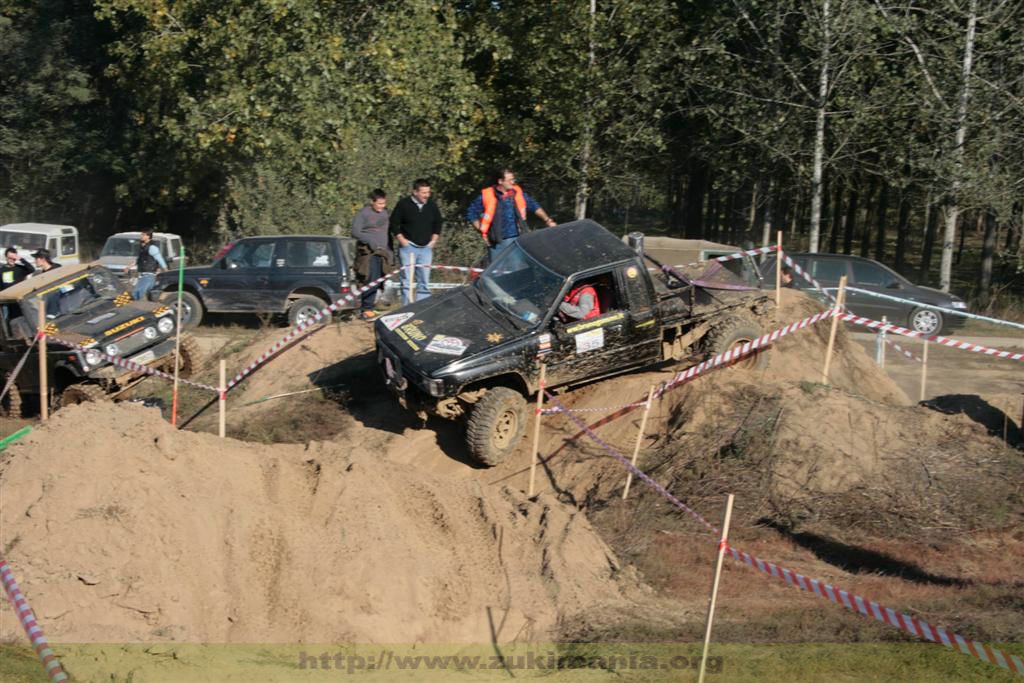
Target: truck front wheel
x=496, y=425
x=733, y=333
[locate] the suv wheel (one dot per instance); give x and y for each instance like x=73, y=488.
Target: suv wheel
x=304, y=309
x=926, y=321
x=191, y=358
x=11, y=404
x=191, y=309
x=733, y=332
x=82, y=393
x=496, y=425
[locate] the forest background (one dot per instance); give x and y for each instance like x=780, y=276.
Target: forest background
x=887, y=128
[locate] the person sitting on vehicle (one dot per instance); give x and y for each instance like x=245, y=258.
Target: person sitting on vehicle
x=14, y=270
x=580, y=303
x=43, y=262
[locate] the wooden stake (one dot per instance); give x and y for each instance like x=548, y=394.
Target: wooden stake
x=177, y=337
x=536, y=425
x=840, y=299
x=412, y=278
x=778, y=274
x=714, y=586
x=881, y=348
x=924, y=369
x=639, y=440
x=222, y=398
x=44, y=403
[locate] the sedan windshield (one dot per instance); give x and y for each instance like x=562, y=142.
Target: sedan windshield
x=519, y=286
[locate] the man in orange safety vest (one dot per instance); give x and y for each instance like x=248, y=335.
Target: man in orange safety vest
x=499, y=211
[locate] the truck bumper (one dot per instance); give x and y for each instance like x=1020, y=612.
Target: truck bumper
x=148, y=357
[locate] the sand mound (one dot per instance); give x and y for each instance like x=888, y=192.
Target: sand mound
x=127, y=530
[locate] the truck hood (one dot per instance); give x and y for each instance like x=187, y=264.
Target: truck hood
x=104, y=321
x=441, y=330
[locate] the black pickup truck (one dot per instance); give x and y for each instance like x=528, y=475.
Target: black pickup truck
x=475, y=352
x=296, y=275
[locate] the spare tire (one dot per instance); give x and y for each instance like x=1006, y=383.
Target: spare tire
x=734, y=331
x=496, y=425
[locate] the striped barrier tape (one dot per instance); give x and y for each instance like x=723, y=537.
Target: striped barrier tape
x=748, y=252
x=302, y=327
x=807, y=276
x=905, y=352
x=944, y=341
x=721, y=359
x=870, y=608
x=942, y=309
x=856, y=603
x=28, y=622
x=133, y=366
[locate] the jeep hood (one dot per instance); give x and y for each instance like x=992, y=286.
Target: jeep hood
x=433, y=333
x=105, y=321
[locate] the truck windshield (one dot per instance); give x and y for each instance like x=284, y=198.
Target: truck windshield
x=121, y=246
x=24, y=240
x=519, y=286
x=73, y=294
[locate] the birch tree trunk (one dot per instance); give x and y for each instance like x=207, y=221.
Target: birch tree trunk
x=583, y=190
x=953, y=208
x=819, y=133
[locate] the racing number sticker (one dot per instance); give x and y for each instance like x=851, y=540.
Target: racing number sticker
x=590, y=341
x=449, y=346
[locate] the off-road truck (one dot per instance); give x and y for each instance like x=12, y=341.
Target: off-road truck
x=85, y=305
x=474, y=353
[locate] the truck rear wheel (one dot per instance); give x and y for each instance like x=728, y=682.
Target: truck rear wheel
x=496, y=425
x=731, y=333
x=191, y=358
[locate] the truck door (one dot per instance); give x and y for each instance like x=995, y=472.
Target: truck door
x=598, y=346
x=240, y=281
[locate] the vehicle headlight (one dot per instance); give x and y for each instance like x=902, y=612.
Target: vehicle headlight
x=960, y=304
x=150, y=332
x=113, y=350
x=435, y=387
x=165, y=325
x=93, y=357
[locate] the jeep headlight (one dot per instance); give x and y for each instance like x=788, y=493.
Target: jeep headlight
x=165, y=325
x=93, y=357
x=434, y=387
x=113, y=350
x=150, y=333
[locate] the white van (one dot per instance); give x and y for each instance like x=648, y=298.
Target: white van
x=121, y=250
x=60, y=240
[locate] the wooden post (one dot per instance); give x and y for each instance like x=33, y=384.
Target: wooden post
x=639, y=440
x=177, y=336
x=778, y=274
x=881, y=347
x=44, y=403
x=536, y=425
x=924, y=369
x=714, y=586
x=412, y=278
x=840, y=300
x=222, y=399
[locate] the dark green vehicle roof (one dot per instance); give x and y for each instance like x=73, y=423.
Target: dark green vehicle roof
x=574, y=247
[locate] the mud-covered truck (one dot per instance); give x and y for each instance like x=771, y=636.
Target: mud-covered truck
x=474, y=353
x=88, y=307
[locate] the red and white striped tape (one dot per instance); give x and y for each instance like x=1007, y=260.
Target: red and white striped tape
x=748, y=252
x=133, y=366
x=886, y=615
x=28, y=622
x=905, y=352
x=944, y=341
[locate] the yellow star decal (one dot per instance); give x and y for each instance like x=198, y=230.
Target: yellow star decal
x=494, y=337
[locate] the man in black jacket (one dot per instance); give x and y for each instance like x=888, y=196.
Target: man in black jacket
x=14, y=269
x=416, y=226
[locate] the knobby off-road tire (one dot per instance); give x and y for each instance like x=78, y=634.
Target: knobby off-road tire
x=11, y=404
x=496, y=425
x=732, y=332
x=304, y=308
x=82, y=393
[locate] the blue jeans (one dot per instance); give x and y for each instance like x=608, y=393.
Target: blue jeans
x=494, y=250
x=143, y=285
x=374, y=271
x=424, y=257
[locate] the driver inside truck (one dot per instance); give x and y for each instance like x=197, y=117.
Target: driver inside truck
x=581, y=303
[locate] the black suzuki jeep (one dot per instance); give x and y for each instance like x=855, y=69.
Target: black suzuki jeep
x=87, y=306
x=475, y=352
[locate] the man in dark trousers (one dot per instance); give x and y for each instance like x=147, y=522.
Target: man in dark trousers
x=499, y=211
x=14, y=269
x=370, y=228
x=416, y=226
x=148, y=263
